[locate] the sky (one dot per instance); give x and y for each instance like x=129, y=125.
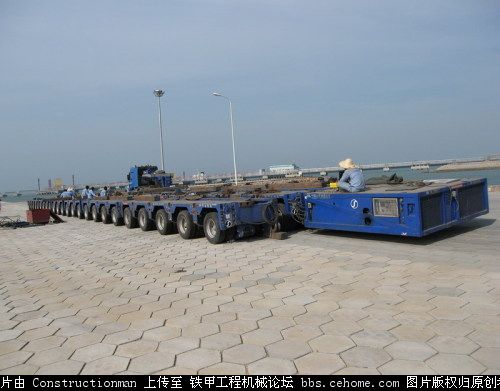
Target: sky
x=312, y=82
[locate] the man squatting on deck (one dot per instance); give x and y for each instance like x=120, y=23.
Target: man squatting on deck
x=352, y=179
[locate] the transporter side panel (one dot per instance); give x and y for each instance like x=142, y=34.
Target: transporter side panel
x=392, y=209
x=392, y=214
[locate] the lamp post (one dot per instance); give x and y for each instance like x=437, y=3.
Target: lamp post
x=159, y=94
x=232, y=132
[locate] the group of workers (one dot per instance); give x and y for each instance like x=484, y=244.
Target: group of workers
x=87, y=193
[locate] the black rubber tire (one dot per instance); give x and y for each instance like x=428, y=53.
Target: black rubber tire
x=86, y=212
x=270, y=214
x=211, y=228
x=185, y=225
x=75, y=209
x=281, y=224
x=96, y=216
x=145, y=222
x=79, y=212
x=60, y=209
x=163, y=225
x=129, y=220
x=69, y=210
x=115, y=217
x=63, y=209
x=105, y=216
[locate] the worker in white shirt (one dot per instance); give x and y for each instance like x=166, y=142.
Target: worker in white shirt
x=88, y=193
x=104, y=192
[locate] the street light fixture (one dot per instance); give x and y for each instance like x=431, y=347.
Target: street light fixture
x=159, y=94
x=232, y=132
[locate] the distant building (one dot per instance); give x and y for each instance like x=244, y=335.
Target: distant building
x=58, y=183
x=283, y=168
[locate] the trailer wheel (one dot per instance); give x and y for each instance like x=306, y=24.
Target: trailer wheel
x=69, y=210
x=75, y=210
x=270, y=214
x=144, y=222
x=115, y=217
x=86, y=213
x=79, y=212
x=95, y=214
x=213, y=233
x=163, y=224
x=129, y=220
x=282, y=223
x=63, y=209
x=185, y=225
x=105, y=217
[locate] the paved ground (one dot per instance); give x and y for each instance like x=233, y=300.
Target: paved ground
x=82, y=297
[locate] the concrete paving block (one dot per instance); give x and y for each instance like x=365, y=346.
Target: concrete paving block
x=365, y=357
x=122, y=337
x=50, y=356
x=46, y=343
x=405, y=367
x=225, y=369
x=106, y=366
x=220, y=341
x=93, y=352
x=15, y=358
x=448, y=364
x=272, y=366
x=160, y=334
x=288, y=349
x=319, y=364
x=151, y=362
x=454, y=345
x=243, y=354
x=373, y=338
x=198, y=358
x=179, y=345
x=488, y=357
x=68, y=367
x=410, y=350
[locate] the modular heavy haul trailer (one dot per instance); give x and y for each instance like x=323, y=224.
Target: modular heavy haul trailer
x=406, y=209
x=220, y=219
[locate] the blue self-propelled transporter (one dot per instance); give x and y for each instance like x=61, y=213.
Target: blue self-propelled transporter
x=402, y=209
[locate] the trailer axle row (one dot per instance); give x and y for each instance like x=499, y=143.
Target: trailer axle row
x=219, y=220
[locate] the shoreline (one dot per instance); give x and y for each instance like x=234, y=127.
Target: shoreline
x=472, y=166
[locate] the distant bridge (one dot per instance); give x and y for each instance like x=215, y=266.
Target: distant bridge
x=334, y=169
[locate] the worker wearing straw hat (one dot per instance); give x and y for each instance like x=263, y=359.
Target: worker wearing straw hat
x=352, y=179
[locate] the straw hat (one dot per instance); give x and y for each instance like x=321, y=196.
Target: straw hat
x=347, y=164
